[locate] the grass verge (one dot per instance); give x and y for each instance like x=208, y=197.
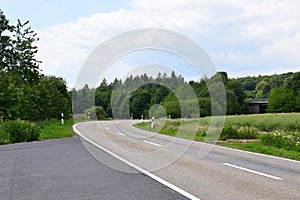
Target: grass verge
x=253, y=130
x=259, y=148
x=53, y=129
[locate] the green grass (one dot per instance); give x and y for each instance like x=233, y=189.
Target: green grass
x=267, y=122
x=244, y=126
x=257, y=147
x=170, y=127
x=53, y=129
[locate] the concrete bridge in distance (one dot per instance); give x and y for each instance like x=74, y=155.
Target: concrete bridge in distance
x=257, y=106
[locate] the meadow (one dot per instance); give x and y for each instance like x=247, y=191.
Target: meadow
x=274, y=134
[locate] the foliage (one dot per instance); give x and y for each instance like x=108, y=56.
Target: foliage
x=19, y=131
x=285, y=140
x=266, y=122
x=230, y=132
x=286, y=97
x=18, y=50
x=282, y=140
x=53, y=129
x=241, y=126
x=95, y=113
x=256, y=146
x=25, y=93
x=281, y=99
x=136, y=95
x=262, y=89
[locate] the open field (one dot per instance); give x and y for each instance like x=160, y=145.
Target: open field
x=274, y=134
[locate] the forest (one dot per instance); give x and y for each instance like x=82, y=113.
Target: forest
x=28, y=94
x=142, y=93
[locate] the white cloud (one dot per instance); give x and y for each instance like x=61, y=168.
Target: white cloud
x=238, y=35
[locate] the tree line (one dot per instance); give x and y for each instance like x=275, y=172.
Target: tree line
x=169, y=96
x=164, y=96
x=26, y=93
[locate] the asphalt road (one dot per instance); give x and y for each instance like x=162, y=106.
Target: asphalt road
x=201, y=170
x=63, y=169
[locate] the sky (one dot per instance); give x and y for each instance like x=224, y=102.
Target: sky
x=243, y=38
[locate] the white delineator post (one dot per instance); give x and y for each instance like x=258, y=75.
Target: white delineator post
x=152, y=122
x=89, y=115
x=62, y=118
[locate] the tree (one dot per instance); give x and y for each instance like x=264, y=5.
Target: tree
x=281, y=99
x=262, y=89
x=6, y=54
x=297, y=102
x=52, y=98
x=95, y=113
x=25, y=93
x=24, y=62
x=18, y=50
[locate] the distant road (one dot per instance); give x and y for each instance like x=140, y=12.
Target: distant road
x=223, y=174
x=63, y=169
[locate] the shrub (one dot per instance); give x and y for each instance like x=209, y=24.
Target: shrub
x=21, y=131
x=248, y=133
x=288, y=141
x=230, y=132
x=4, y=137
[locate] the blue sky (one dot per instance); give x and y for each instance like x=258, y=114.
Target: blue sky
x=243, y=38
x=45, y=13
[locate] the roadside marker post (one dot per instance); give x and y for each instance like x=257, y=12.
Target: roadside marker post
x=62, y=119
x=152, y=122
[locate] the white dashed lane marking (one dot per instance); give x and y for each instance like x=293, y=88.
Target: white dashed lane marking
x=158, y=145
x=253, y=171
x=121, y=133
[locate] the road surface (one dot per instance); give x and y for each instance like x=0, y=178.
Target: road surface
x=222, y=174
x=63, y=169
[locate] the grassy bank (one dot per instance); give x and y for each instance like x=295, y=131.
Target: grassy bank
x=273, y=134
x=23, y=131
x=54, y=129
x=258, y=147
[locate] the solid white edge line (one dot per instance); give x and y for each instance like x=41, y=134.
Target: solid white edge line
x=238, y=150
x=152, y=143
x=158, y=179
x=121, y=133
x=252, y=171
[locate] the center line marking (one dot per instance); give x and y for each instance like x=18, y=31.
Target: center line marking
x=253, y=171
x=152, y=143
x=121, y=133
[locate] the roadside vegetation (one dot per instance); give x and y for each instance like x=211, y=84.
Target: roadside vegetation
x=30, y=102
x=273, y=134
x=23, y=131
x=54, y=129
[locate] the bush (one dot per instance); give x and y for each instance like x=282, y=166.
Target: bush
x=288, y=141
x=20, y=131
x=4, y=137
x=96, y=113
x=230, y=132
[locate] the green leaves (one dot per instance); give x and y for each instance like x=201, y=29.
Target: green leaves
x=287, y=97
x=24, y=92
